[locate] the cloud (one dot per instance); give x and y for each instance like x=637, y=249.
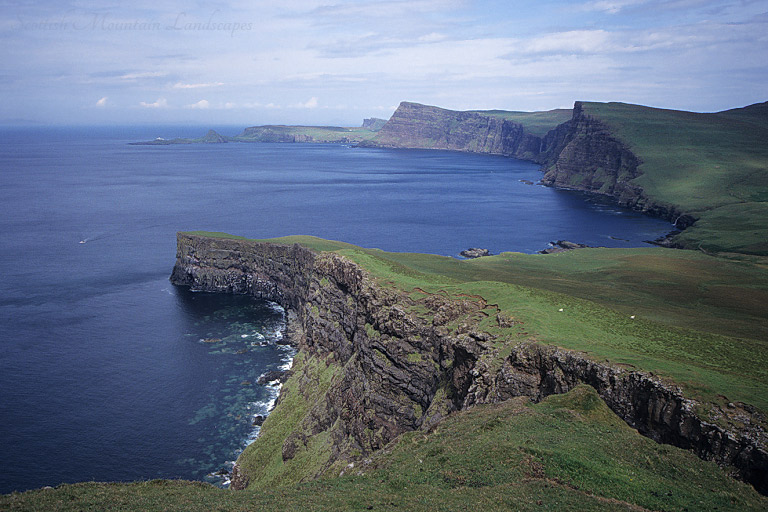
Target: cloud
x=160, y=103
x=180, y=85
x=202, y=104
x=610, y=6
x=102, y=102
x=570, y=42
x=310, y=103
x=145, y=74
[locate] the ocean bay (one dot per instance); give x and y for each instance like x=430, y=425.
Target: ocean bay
x=104, y=374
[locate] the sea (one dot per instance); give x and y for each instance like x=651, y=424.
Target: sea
x=110, y=373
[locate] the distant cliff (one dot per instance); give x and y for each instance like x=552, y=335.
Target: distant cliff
x=581, y=153
x=425, y=127
x=317, y=134
x=209, y=138
x=373, y=123
x=375, y=362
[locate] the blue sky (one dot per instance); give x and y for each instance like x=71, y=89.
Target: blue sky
x=336, y=62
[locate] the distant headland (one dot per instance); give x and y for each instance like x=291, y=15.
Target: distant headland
x=704, y=172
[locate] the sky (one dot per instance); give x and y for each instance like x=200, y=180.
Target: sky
x=336, y=62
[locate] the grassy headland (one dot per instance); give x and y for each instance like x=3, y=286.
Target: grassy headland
x=711, y=166
x=282, y=133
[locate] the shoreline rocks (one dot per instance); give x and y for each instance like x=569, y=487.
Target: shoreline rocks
x=562, y=246
x=474, y=252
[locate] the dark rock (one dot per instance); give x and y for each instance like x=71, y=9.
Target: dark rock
x=562, y=246
x=474, y=252
x=258, y=420
x=422, y=126
x=667, y=240
x=274, y=375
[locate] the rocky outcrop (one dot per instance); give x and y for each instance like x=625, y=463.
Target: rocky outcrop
x=374, y=124
x=407, y=360
x=562, y=246
x=213, y=138
x=474, y=252
x=584, y=154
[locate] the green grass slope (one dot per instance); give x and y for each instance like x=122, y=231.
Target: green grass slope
x=713, y=166
x=569, y=452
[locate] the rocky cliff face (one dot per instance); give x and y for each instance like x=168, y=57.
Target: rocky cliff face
x=583, y=155
x=408, y=360
x=425, y=127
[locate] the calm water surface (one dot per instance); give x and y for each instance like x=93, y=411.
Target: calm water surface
x=107, y=372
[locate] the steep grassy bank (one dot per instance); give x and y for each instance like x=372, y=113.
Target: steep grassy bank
x=713, y=167
x=568, y=452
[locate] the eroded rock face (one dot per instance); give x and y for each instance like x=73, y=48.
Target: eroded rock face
x=422, y=126
x=404, y=369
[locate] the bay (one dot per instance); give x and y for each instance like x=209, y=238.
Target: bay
x=107, y=372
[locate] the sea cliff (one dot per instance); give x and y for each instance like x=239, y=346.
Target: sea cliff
x=581, y=153
x=426, y=127
x=377, y=361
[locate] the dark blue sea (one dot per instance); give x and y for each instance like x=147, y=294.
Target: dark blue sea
x=108, y=372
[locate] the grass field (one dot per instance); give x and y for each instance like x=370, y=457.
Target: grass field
x=713, y=166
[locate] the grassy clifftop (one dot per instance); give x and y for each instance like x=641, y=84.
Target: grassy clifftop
x=711, y=166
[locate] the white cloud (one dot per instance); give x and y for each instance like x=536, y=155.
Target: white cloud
x=160, y=103
x=102, y=102
x=145, y=74
x=570, y=42
x=310, y=103
x=432, y=37
x=610, y=6
x=202, y=104
x=180, y=85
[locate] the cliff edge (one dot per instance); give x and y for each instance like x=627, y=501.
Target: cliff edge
x=376, y=361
